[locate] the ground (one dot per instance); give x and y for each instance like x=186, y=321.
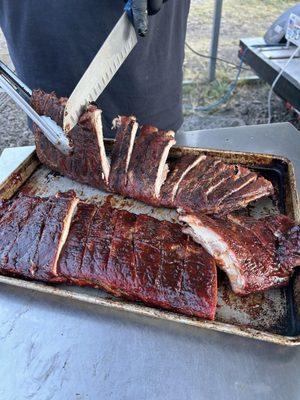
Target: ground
x=248, y=104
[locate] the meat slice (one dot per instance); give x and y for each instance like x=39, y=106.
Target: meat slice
x=88, y=162
x=93, y=267
x=11, y=225
x=199, y=286
x=171, y=271
x=55, y=232
x=42, y=230
x=214, y=187
x=241, y=198
x=69, y=264
x=147, y=256
x=139, y=258
x=126, y=128
x=147, y=169
x=247, y=251
x=178, y=170
x=238, y=180
x=120, y=273
x=34, y=230
x=190, y=195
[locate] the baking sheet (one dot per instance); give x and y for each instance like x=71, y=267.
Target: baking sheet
x=263, y=316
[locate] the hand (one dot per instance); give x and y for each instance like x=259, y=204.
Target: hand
x=140, y=11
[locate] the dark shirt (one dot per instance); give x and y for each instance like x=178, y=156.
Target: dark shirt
x=51, y=43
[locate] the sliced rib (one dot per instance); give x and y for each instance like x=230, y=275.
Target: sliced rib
x=88, y=162
x=171, y=271
x=179, y=168
x=93, y=267
x=69, y=264
x=139, y=258
x=35, y=249
x=126, y=129
x=11, y=226
x=32, y=231
x=147, y=168
x=54, y=235
x=190, y=195
x=239, y=179
x=214, y=187
x=241, y=198
x=243, y=249
x=120, y=272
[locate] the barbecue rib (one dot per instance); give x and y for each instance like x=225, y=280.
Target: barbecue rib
x=248, y=250
x=139, y=258
x=88, y=162
x=139, y=166
x=147, y=169
x=33, y=232
x=120, y=157
x=213, y=187
x=178, y=170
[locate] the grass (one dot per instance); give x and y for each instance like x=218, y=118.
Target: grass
x=239, y=19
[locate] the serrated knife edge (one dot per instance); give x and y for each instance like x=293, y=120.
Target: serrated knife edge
x=99, y=73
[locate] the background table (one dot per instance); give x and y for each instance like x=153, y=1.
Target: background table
x=51, y=348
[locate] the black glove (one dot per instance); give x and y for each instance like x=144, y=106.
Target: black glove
x=140, y=11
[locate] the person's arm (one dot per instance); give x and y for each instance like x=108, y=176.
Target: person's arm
x=141, y=9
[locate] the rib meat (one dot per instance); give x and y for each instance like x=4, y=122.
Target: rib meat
x=69, y=265
x=11, y=225
x=54, y=234
x=253, y=191
x=88, y=162
x=147, y=169
x=121, y=154
x=246, y=249
x=34, y=235
x=139, y=258
x=120, y=271
x=242, y=177
x=139, y=166
x=173, y=272
x=213, y=187
x=178, y=170
x=97, y=248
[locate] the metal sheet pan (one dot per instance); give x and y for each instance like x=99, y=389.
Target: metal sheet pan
x=271, y=316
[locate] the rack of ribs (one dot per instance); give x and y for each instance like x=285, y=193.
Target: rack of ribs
x=139, y=258
x=255, y=254
x=139, y=168
x=88, y=162
x=194, y=183
x=32, y=233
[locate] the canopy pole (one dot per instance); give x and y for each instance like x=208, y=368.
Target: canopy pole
x=215, y=39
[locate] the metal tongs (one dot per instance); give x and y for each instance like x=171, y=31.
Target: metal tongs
x=21, y=95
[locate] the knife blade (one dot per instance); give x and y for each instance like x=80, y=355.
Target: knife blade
x=106, y=63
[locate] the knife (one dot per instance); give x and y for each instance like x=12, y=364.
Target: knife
x=106, y=63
